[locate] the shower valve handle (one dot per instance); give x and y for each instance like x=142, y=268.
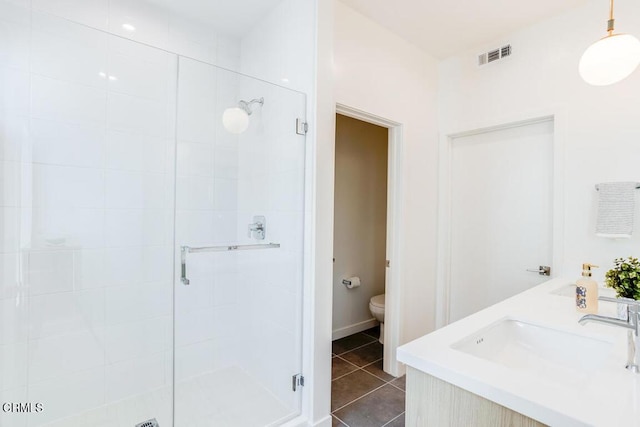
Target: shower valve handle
x=258, y=228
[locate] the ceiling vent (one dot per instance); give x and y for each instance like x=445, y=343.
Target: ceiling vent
x=494, y=55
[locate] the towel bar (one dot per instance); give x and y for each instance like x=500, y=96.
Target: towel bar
x=184, y=250
x=637, y=186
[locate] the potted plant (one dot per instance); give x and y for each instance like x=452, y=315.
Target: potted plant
x=624, y=278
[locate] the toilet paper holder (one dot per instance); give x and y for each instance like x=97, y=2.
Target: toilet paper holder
x=352, y=282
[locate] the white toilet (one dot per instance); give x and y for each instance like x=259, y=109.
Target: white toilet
x=376, y=306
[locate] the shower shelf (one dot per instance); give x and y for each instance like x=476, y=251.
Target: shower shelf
x=184, y=250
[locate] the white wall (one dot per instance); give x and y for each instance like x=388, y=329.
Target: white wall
x=87, y=214
x=360, y=233
x=600, y=132
x=100, y=175
x=378, y=72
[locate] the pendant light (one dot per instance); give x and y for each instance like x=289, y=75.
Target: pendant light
x=612, y=58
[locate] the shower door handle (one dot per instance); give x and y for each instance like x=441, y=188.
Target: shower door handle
x=184, y=250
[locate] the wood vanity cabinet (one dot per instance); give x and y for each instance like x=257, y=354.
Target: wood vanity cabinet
x=432, y=402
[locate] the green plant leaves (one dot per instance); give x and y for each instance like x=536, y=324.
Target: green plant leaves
x=624, y=278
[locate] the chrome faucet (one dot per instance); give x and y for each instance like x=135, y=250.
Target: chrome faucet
x=258, y=228
x=632, y=324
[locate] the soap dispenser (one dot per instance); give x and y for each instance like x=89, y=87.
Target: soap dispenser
x=587, y=291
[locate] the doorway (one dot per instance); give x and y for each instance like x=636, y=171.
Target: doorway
x=501, y=225
x=392, y=260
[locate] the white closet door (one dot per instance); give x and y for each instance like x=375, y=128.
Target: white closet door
x=501, y=214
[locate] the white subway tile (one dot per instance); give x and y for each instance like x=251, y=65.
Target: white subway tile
x=10, y=278
x=14, y=44
x=137, y=50
x=195, y=159
x=14, y=92
x=93, y=13
x=54, y=228
x=9, y=183
x=225, y=163
x=135, y=302
x=60, y=398
x=123, y=266
x=67, y=187
x=73, y=103
x=13, y=419
x=9, y=229
x=65, y=354
x=199, y=296
x=225, y=288
x=130, y=340
x=126, y=227
x=49, y=271
x=137, y=152
x=58, y=143
x=156, y=264
x=14, y=136
x=13, y=320
x=13, y=366
x=194, y=359
x=134, y=377
x=225, y=226
x=138, y=77
x=197, y=116
x=194, y=327
x=195, y=192
x=89, y=269
x=195, y=227
x=68, y=51
x=16, y=11
x=140, y=21
x=133, y=114
x=225, y=194
x=66, y=312
x=135, y=190
x=287, y=191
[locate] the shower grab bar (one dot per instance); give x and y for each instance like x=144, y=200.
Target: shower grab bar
x=184, y=250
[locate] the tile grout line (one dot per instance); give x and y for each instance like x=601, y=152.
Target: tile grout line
x=355, y=348
x=337, y=418
x=362, y=368
x=358, y=398
x=391, y=420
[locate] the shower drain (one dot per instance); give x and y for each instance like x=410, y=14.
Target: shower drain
x=149, y=423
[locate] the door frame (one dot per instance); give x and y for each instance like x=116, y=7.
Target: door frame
x=443, y=279
x=393, y=276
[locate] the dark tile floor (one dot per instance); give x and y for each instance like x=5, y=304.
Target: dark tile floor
x=362, y=394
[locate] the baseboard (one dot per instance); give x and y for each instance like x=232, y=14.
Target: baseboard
x=353, y=329
x=325, y=422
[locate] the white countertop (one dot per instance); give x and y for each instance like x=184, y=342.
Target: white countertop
x=610, y=396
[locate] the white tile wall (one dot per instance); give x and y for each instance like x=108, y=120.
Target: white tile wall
x=87, y=121
x=66, y=144
x=88, y=12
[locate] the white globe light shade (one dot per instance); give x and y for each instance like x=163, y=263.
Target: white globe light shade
x=610, y=59
x=235, y=120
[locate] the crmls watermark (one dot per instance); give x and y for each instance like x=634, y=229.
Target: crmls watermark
x=22, y=407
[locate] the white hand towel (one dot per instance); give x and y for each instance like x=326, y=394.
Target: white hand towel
x=616, y=208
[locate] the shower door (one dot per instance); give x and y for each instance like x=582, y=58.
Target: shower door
x=238, y=251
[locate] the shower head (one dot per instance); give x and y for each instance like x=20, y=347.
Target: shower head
x=236, y=119
x=246, y=106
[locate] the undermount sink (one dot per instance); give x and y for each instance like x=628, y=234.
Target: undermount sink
x=537, y=350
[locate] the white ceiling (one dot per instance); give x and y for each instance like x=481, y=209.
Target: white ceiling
x=230, y=17
x=444, y=28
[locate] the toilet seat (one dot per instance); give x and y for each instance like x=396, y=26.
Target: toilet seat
x=377, y=301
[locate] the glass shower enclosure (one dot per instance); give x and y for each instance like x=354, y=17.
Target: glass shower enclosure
x=150, y=260
x=239, y=251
